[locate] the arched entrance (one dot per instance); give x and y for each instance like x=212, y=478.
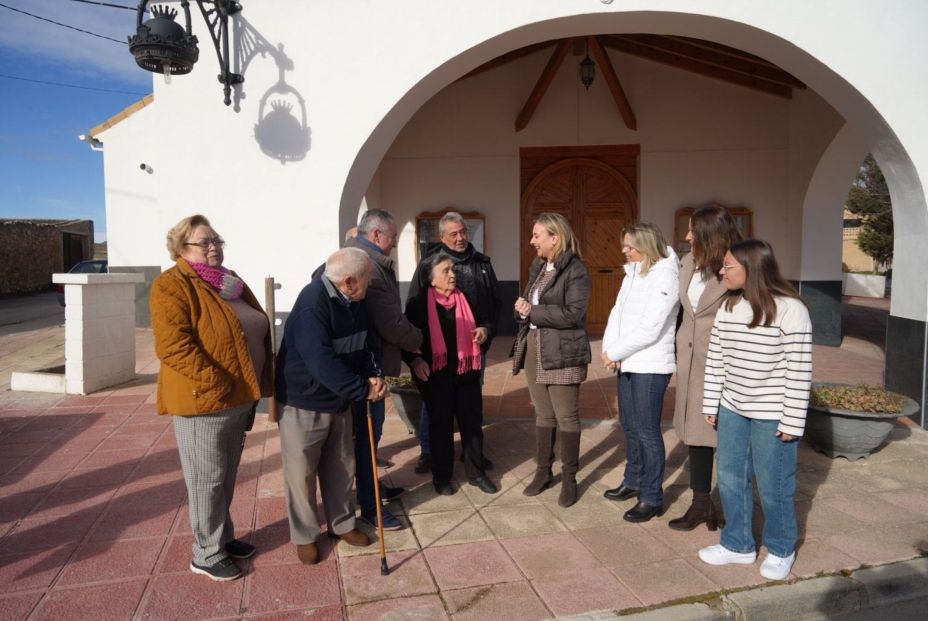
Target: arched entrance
x=598, y=201
x=909, y=311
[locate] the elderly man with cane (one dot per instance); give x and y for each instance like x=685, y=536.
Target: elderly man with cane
x=324, y=365
x=390, y=333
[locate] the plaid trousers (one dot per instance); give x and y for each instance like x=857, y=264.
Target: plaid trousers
x=210, y=447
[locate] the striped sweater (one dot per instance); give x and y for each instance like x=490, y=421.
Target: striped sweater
x=761, y=372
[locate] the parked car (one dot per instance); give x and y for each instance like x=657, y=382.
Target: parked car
x=94, y=266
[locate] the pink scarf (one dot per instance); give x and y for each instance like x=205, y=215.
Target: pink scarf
x=221, y=279
x=469, y=358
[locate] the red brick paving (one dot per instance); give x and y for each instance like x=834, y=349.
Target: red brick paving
x=93, y=519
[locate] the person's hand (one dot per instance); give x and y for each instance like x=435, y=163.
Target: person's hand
x=378, y=389
x=480, y=335
x=523, y=307
x=785, y=436
x=420, y=369
x=612, y=365
x=712, y=420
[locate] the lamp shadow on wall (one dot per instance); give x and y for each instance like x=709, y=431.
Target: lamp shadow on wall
x=281, y=130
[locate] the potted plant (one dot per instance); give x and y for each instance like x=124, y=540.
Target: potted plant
x=852, y=420
x=407, y=401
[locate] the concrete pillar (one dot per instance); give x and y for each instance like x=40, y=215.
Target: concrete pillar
x=99, y=329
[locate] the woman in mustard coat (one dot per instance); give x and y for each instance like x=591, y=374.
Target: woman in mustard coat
x=213, y=341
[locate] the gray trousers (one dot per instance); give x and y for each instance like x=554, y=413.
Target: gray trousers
x=556, y=405
x=210, y=447
x=316, y=444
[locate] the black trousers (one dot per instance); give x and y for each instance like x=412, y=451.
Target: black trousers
x=446, y=404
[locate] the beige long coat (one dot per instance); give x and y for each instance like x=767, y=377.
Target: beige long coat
x=692, y=349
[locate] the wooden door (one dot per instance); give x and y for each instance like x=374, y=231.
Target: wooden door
x=599, y=202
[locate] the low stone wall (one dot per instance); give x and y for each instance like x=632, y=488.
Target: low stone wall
x=29, y=254
x=32, y=250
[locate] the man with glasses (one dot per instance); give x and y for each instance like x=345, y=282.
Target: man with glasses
x=477, y=281
x=392, y=332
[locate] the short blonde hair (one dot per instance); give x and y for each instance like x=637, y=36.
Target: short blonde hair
x=649, y=241
x=556, y=224
x=180, y=232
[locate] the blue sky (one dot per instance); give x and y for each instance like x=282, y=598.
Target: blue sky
x=45, y=171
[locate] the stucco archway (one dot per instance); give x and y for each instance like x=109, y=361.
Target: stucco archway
x=863, y=122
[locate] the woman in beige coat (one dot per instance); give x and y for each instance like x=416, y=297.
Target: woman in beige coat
x=712, y=232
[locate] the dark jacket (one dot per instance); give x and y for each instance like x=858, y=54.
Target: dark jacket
x=324, y=361
x=475, y=278
x=560, y=314
x=417, y=313
x=391, y=331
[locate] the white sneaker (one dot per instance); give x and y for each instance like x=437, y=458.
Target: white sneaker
x=777, y=567
x=720, y=555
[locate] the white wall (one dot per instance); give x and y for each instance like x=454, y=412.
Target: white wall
x=701, y=140
x=364, y=68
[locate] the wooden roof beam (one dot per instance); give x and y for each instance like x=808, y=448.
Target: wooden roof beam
x=688, y=64
x=612, y=81
x=740, y=64
x=541, y=86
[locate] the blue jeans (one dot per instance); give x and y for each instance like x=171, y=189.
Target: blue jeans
x=749, y=449
x=364, y=469
x=641, y=399
x=424, y=444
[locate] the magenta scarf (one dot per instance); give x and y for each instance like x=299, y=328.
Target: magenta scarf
x=469, y=358
x=221, y=279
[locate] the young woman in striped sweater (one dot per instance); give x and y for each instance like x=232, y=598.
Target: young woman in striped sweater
x=757, y=382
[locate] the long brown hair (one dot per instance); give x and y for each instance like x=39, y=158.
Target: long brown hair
x=763, y=281
x=714, y=232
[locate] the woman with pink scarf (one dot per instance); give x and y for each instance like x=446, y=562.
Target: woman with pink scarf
x=213, y=341
x=447, y=373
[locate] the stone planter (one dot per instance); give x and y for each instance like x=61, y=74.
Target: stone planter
x=407, y=401
x=852, y=435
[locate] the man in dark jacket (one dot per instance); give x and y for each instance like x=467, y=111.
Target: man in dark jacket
x=324, y=365
x=391, y=332
x=477, y=281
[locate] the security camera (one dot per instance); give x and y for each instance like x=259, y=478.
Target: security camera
x=146, y=168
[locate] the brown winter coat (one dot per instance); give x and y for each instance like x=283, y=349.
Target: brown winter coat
x=560, y=315
x=205, y=364
x=692, y=349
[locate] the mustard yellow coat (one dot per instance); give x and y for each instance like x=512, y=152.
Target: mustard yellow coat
x=205, y=364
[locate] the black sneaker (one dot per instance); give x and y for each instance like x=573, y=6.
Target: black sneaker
x=390, y=521
x=220, y=571
x=388, y=493
x=239, y=549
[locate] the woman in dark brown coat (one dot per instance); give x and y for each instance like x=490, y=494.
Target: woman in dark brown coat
x=712, y=232
x=554, y=348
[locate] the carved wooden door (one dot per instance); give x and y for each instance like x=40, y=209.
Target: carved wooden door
x=599, y=202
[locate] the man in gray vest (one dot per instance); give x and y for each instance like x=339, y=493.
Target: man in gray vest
x=391, y=332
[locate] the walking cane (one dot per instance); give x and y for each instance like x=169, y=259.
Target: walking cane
x=384, y=569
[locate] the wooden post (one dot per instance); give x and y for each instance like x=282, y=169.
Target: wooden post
x=269, y=287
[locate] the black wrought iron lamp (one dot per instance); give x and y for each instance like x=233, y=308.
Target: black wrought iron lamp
x=587, y=71
x=161, y=45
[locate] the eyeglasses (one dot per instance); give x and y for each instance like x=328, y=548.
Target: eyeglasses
x=725, y=268
x=218, y=242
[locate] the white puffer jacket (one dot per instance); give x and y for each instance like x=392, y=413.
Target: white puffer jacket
x=640, y=332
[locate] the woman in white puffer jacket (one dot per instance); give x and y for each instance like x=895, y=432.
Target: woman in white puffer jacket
x=639, y=345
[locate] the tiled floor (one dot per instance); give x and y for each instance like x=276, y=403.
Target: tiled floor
x=93, y=519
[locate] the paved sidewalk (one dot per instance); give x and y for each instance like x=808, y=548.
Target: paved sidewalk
x=93, y=518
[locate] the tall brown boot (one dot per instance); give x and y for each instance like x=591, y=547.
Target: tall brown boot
x=702, y=510
x=570, y=463
x=544, y=457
